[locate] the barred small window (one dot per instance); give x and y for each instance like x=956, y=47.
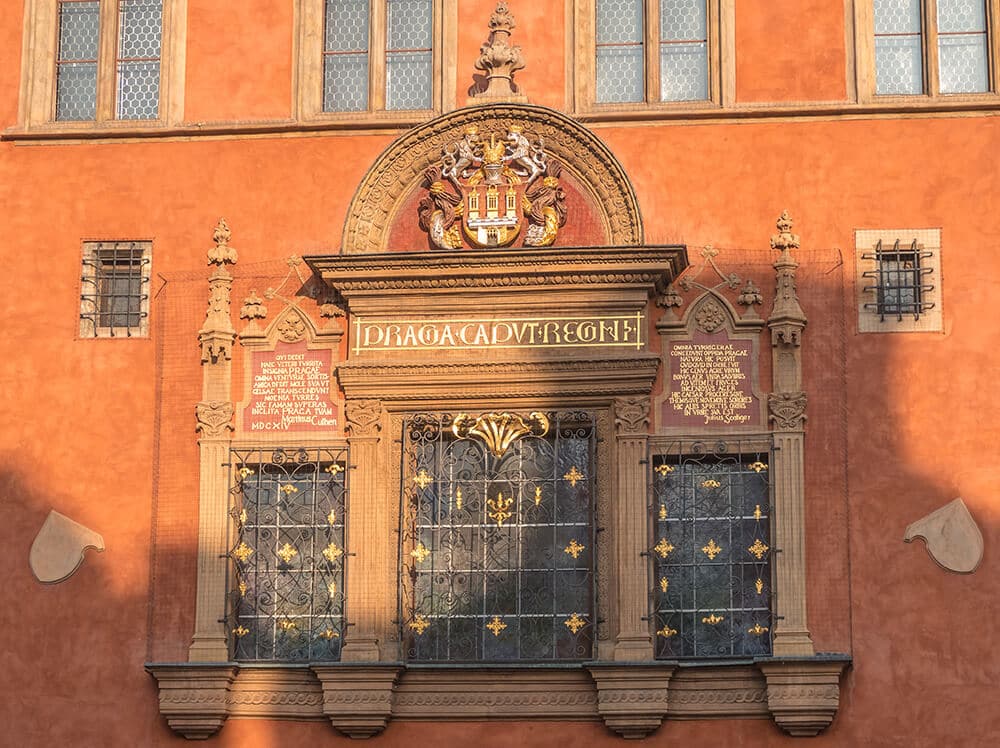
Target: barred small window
x=114, y=297
x=899, y=281
x=711, y=552
x=289, y=514
x=498, y=537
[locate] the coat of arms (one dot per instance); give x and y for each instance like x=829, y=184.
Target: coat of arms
x=483, y=192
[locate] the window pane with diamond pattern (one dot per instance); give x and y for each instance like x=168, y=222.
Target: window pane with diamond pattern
x=345, y=56
x=409, y=58
x=683, y=50
x=76, y=66
x=898, y=47
x=497, y=554
x=711, y=553
x=289, y=511
x=962, y=55
x=620, y=66
x=140, y=30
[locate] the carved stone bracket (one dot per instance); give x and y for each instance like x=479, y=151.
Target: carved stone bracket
x=358, y=700
x=214, y=419
x=631, y=415
x=632, y=700
x=194, y=698
x=364, y=417
x=803, y=695
x=787, y=410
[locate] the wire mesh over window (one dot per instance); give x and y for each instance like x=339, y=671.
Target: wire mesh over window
x=900, y=288
x=345, y=56
x=409, y=55
x=620, y=65
x=683, y=50
x=140, y=28
x=962, y=46
x=76, y=63
x=712, y=551
x=898, y=47
x=289, y=511
x=114, y=298
x=498, y=537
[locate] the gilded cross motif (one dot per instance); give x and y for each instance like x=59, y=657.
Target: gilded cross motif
x=663, y=548
x=500, y=509
x=422, y=479
x=574, y=623
x=496, y=626
x=331, y=553
x=286, y=553
x=574, y=549
x=242, y=552
x=420, y=552
x=711, y=550
x=419, y=624
x=758, y=549
x=574, y=476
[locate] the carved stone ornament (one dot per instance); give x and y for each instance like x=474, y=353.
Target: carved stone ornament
x=483, y=192
x=710, y=316
x=253, y=307
x=217, y=334
x=499, y=59
x=364, y=417
x=632, y=700
x=787, y=410
x=631, y=415
x=58, y=548
x=357, y=699
x=292, y=328
x=214, y=419
x=803, y=696
x=952, y=536
x=383, y=191
x=194, y=697
x=222, y=253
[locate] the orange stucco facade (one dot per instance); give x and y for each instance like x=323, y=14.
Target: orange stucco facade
x=899, y=424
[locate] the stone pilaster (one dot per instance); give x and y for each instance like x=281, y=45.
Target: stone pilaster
x=372, y=546
x=214, y=423
x=786, y=414
x=633, y=640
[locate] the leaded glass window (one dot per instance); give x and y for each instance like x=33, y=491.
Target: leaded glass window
x=408, y=55
x=711, y=551
x=345, y=56
x=680, y=69
x=114, y=289
x=904, y=29
x=138, y=29
x=289, y=516
x=498, y=537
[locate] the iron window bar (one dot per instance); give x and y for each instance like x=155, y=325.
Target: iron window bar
x=114, y=289
x=899, y=288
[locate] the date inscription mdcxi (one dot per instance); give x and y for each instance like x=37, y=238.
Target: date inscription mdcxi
x=290, y=390
x=710, y=383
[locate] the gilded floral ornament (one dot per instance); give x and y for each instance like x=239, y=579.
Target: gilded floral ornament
x=712, y=549
x=419, y=624
x=758, y=549
x=663, y=548
x=500, y=430
x=713, y=619
x=757, y=630
x=287, y=552
x=242, y=552
x=757, y=467
x=241, y=631
x=664, y=584
x=759, y=586
x=288, y=489
x=710, y=483
x=574, y=476
x=245, y=471
x=421, y=553
x=329, y=634
x=666, y=632
x=574, y=549
x=331, y=553
x=663, y=470
x=663, y=511
x=287, y=625
x=499, y=509
x=423, y=479
x=334, y=469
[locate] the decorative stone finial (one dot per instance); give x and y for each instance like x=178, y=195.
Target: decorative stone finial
x=750, y=295
x=221, y=253
x=499, y=60
x=253, y=307
x=785, y=240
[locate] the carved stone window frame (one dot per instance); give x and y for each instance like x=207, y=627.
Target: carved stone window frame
x=307, y=80
x=582, y=63
x=864, y=57
x=37, y=101
x=869, y=320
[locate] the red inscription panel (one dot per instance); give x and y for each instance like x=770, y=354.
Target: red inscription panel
x=290, y=390
x=710, y=383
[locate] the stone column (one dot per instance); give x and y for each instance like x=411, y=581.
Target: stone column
x=214, y=422
x=372, y=544
x=786, y=409
x=633, y=641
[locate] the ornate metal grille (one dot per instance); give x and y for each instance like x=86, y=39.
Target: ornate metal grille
x=140, y=27
x=711, y=552
x=289, y=510
x=899, y=278
x=76, y=64
x=114, y=296
x=496, y=560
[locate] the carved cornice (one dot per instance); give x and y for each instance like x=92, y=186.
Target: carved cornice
x=398, y=171
x=787, y=410
x=364, y=417
x=554, y=378
x=214, y=419
x=631, y=416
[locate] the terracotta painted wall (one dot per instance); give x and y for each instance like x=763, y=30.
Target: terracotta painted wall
x=899, y=424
